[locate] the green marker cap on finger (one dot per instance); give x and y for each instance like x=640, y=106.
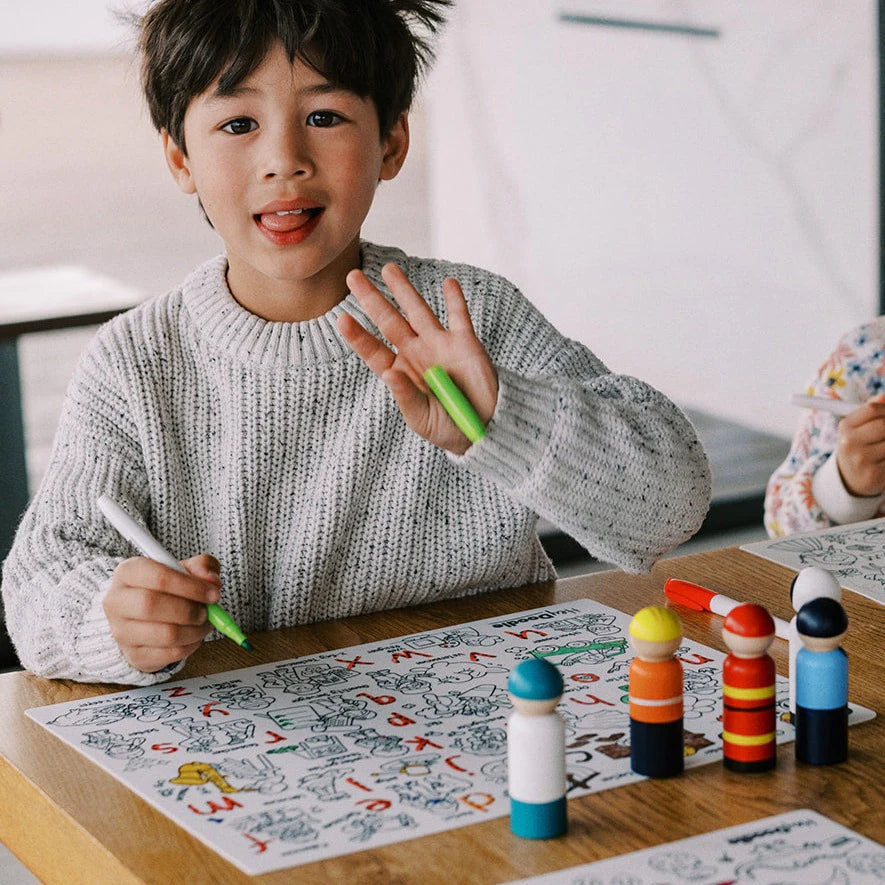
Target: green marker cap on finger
x=455, y=403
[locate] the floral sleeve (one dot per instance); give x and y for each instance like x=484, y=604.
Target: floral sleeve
x=854, y=372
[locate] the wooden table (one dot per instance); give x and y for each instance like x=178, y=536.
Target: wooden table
x=71, y=822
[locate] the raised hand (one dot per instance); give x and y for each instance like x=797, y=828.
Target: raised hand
x=420, y=341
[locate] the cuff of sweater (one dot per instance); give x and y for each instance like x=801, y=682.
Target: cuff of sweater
x=836, y=501
x=518, y=434
x=99, y=656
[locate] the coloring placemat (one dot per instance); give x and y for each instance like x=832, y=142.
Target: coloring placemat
x=855, y=554
x=287, y=763
x=797, y=848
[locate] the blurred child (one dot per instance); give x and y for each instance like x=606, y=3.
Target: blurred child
x=835, y=472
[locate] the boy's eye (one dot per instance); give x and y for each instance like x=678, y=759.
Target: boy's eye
x=323, y=118
x=240, y=126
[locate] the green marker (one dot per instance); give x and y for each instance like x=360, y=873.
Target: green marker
x=455, y=403
x=146, y=544
x=226, y=625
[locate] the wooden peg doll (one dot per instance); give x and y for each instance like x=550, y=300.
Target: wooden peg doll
x=822, y=684
x=748, y=691
x=810, y=583
x=656, y=693
x=536, y=751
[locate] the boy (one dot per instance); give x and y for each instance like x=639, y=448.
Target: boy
x=272, y=411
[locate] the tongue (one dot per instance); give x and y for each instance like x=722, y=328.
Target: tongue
x=285, y=222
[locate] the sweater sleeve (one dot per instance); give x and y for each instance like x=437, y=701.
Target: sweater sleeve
x=605, y=457
x=64, y=552
x=790, y=505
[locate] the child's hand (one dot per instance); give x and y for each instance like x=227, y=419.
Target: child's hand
x=158, y=615
x=860, y=451
x=421, y=341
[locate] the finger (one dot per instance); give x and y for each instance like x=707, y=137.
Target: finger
x=149, y=660
x=421, y=318
x=412, y=402
x=148, y=574
x=871, y=410
x=376, y=355
x=390, y=322
x=158, y=635
x=456, y=307
x=141, y=604
x=864, y=434
x=205, y=567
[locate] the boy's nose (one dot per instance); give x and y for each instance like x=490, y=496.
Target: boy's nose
x=287, y=157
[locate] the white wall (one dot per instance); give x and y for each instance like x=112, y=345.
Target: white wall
x=701, y=212
x=63, y=26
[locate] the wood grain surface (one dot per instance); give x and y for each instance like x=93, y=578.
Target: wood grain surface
x=69, y=821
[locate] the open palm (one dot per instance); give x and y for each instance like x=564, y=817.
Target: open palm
x=420, y=341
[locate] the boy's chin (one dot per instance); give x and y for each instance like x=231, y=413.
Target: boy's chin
x=301, y=264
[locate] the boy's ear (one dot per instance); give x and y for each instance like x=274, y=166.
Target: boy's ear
x=396, y=146
x=177, y=161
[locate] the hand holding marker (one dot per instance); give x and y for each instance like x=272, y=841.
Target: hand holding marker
x=149, y=546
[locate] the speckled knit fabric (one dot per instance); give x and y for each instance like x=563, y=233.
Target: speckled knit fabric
x=272, y=446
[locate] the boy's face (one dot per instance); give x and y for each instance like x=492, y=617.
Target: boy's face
x=286, y=142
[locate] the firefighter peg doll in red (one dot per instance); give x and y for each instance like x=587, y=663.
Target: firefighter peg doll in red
x=655, y=692
x=748, y=691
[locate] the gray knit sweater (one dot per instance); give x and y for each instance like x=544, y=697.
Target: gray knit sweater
x=273, y=447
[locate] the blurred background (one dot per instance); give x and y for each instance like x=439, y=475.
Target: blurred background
x=690, y=188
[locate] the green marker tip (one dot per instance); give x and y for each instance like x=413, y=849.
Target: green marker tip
x=247, y=645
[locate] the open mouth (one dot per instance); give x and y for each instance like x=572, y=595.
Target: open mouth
x=288, y=220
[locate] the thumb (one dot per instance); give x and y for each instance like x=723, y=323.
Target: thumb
x=204, y=567
x=412, y=402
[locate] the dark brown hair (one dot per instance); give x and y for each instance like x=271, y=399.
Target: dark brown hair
x=373, y=48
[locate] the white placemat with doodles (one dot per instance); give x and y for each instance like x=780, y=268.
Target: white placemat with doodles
x=855, y=554
x=282, y=764
x=800, y=847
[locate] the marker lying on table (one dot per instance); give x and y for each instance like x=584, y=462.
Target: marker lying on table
x=146, y=544
x=825, y=403
x=455, y=403
x=701, y=599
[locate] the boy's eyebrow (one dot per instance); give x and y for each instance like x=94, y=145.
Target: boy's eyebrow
x=233, y=92
x=324, y=88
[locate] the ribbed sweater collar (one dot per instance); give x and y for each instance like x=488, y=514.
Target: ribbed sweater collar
x=230, y=329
